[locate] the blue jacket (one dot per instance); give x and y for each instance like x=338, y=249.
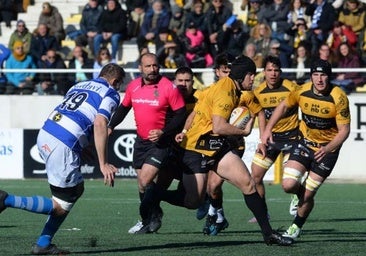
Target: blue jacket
x=12, y=63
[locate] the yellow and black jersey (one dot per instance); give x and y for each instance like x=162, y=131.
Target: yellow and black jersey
x=248, y=99
x=320, y=114
x=269, y=99
x=218, y=99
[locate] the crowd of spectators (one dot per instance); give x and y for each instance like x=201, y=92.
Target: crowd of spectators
x=194, y=32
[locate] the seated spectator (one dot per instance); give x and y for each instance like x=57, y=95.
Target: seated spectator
x=348, y=81
x=156, y=17
x=177, y=20
x=54, y=21
x=297, y=11
x=340, y=34
x=4, y=55
x=20, y=82
x=326, y=54
x=260, y=35
x=21, y=33
x=322, y=16
x=136, y=17
x=196, y=52
x=103, y=58
x=216, y=16
x=51, y=83
x=41, y=42
x=281, y=51
x=89, y=24
x=353, y=14
x=235, y=37
x=251, y=51
x=197, y=16
x=301, y=61
x=113, y=27
x=299, y=33
x=79, y=62
x=253, y=9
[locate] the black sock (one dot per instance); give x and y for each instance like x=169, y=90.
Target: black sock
x=299, y=221
x=216, y=203
x=258, y=206
x=147, y=202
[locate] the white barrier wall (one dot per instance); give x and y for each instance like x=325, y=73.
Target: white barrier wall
x=29, y=112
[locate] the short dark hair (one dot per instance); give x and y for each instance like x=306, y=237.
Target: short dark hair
x=183, y=70
x=272, y=59
x=112, y=70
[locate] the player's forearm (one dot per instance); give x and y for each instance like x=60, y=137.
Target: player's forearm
x=100, y=140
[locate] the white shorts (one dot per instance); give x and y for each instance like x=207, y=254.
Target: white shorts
x=62, y=164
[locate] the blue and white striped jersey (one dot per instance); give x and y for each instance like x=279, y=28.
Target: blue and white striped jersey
x=72, y=121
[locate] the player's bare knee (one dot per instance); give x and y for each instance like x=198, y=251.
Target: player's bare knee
x=60, y=207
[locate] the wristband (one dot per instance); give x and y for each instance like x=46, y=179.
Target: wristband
x=184, y=131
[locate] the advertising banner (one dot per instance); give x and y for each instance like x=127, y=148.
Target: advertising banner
x=11, y=153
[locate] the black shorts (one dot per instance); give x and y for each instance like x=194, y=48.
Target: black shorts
x=194, y=162
x=273, y=150
x=304, y=155
x=147, y=152
x=70, y=195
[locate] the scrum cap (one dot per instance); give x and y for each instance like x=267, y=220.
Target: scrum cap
x=322, y=66
x=241, y=66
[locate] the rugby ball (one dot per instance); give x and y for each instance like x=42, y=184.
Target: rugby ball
x=240, y=117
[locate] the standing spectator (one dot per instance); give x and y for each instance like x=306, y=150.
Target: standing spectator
x=89, y=24
x=42, y=41
x=347, y=58
x=353, y=14
x=216, y=16
x=322, y=16
x=322, y=134
x=154, y=133
x=54, y=21
x=103, y=58
x=341, y=33
x=20, y=82
x=79, y=61
x=4, y=55
x=113, y=27
x=64, y=135
x=51, y=83
x=21, y=33
x=156, y=17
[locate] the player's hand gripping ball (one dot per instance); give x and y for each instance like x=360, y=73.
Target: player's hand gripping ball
x=239, y=117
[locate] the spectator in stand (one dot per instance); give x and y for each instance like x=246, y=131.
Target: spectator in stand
x=20, y=82
x=353, y=14
x=281, y=51
x=251, y=52
x=196, y=52
x=326, y=54
x=216, y=16
x=79, y=62
x=341, y=33
x=54, y=21
x=299, y=33
x=89, y=24
x=196, y=16
x=275, y=15
x=113, y=27
x=21, y=33
x=156, y=17
x=301, y=61
x=103, y=58
x=254, y=8
x=260, y=35
x=177, y=20
x=166, y=39
x=4, y=55
x=7, y=12
x=137, y=15
x=322, y=16
x=51, y=83
x=347, y=58
x=42, y=41
x=235, y=38
x=296, y=12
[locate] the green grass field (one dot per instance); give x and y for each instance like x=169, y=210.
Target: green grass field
x=337, y=225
